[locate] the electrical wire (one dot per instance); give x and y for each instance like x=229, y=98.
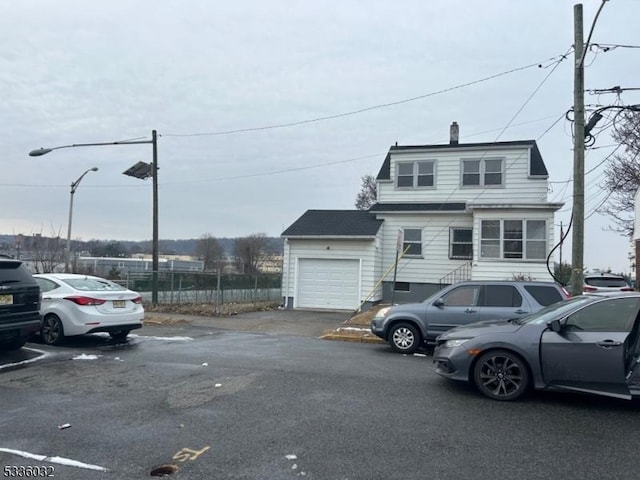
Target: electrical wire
x=373, y=107
x=593, y=26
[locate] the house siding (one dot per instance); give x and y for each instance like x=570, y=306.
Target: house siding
x=448, y=188
x=506, y=270
x=435, y=262
x=363, y=250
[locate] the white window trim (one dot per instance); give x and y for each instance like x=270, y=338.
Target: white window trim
x=451, y=243
x=525, y=239
x=414, y=185
x=482, y=172
x=420, y=242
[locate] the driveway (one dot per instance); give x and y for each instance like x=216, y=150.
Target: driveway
x=303, y=323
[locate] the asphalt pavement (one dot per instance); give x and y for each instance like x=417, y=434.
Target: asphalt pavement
x=330, y=325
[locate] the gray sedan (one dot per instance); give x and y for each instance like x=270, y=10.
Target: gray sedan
x=589, y=344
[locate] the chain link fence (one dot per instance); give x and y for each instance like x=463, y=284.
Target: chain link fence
x=206, y=288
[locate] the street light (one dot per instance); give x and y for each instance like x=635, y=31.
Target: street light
x=154, y=143
x=74, y=187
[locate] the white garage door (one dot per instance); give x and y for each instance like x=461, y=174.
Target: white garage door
x=332, y=284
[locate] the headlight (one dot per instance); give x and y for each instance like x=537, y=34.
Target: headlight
x=455, y=343
x=382, y=312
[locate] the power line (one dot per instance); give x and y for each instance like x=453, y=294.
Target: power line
x=374, y=107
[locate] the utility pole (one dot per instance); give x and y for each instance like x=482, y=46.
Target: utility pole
x=561, y=242
x=577, y=247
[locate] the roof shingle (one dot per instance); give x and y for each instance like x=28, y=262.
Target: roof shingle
x=334, y=223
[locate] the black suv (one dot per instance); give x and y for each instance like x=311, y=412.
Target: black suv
x=19, y=305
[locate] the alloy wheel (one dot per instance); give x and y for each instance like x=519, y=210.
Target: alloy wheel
x=501, y=375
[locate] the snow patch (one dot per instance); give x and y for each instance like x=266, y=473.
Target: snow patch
x=353, y=329
x=82, y=356
x=165, y=339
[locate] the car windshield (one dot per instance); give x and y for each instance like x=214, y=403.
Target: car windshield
x=554, y=311
x=89, y=284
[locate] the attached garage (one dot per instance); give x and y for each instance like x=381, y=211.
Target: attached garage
x=332, y=260
x=328, y=283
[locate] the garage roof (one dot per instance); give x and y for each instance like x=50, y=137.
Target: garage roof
x=334, y=223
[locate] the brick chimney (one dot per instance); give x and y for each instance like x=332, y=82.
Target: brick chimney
x=454, y=133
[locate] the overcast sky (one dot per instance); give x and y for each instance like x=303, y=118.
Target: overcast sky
x=73, y=71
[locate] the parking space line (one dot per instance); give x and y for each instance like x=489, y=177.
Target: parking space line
x=42, y=355
x=56, y=460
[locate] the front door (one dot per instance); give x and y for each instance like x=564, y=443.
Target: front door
x=459, y=307
x=589, y=354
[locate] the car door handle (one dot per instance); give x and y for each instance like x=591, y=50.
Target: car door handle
x=470, y=310
x=608, y=343
x=521, y=312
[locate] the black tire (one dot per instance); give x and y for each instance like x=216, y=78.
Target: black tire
x=15, y=343
x=119, y=334
x=404, y=338
x=501, y=375
x=52, y=331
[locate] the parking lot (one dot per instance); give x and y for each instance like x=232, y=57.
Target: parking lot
x=253, y=403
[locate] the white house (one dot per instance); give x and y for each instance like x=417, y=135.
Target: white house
x=454, y=211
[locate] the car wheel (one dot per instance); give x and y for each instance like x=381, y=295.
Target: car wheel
x=501, y=375
x=14, y=344
x=52, y=332
x=405, y=338
x=119, y=334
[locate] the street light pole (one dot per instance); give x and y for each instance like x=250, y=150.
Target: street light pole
x=74, y=187
x=154, y=142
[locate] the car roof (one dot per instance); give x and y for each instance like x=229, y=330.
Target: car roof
x=609, y=294
x=602, y=275
x=509, y=282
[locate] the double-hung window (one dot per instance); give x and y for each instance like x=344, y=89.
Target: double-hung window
x=412, y=241
x=513, y=239
x=417, y=174
x=486, y=172
x=460, y=243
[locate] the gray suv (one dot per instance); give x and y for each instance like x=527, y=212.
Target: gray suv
x=19, y=305
x=408, y=327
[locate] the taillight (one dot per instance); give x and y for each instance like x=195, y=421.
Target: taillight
x=626, y=289
x=566, y=292
x=84, y=301
x=137, y=300
x=587, y=288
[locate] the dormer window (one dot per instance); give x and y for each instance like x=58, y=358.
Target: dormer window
x=485, y=172
x=419, y=174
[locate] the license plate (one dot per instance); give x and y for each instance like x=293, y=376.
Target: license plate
x=118, y=304
x=6, y=299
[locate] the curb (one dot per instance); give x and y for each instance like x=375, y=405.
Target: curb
x=351, y=335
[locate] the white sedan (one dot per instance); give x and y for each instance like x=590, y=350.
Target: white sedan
x=74, y=304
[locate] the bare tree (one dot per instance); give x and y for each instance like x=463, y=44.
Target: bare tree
x=368, y=194
x=250, y=251
x=48, y=252
x=209, y=250
x=622, y=175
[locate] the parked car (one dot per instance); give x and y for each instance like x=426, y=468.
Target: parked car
x=409, y=326
x=589, y=344
x=75, y=304
x=19, y=304
x=605, y=282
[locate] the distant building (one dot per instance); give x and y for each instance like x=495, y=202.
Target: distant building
x=104, y=266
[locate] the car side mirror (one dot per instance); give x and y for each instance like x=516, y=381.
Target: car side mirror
x=555, y=325
x=439, y=302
